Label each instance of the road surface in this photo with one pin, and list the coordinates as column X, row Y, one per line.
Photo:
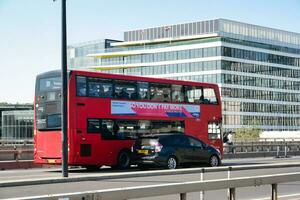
column 288, row 189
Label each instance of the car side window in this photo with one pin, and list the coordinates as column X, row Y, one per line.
column 165, row 141
column 195, row 143
column 183, row 141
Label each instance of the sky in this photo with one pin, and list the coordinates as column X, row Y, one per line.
column 30, row 29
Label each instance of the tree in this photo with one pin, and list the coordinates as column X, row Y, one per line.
column 248, row 133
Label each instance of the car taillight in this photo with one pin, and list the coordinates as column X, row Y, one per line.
column 158, row 148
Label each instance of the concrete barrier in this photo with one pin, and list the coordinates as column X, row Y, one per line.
column 24, row 164
column 16, row 154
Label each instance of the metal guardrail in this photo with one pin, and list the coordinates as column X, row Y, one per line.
column 180, row 188
column 27, row 142
column 22, row 149
column 237, row 147
column 122, row 175
column 278, row 150
column 247, row 147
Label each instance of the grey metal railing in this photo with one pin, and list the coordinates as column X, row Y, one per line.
column 180, row 188
column 27, row 142
column 252, row 147
column 23, row 149
column 16, row 151
column 122, row 175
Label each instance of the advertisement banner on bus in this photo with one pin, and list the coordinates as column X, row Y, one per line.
column 154, row 109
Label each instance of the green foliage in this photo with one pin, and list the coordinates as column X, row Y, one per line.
column 247, row 134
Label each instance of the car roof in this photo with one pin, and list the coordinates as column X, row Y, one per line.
column 160, row 135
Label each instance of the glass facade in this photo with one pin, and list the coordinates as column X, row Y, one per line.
column 257, row 68
column 17, row 124
column 224, row 27
column 162, row 56
column 11, row 107
column 77, row 54
column 178, row 30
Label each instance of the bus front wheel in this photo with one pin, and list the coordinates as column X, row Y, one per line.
column 124, row 160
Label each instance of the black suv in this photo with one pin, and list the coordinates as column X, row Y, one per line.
column 172, row 150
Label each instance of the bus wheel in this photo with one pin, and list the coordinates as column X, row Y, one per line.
column 124, row 160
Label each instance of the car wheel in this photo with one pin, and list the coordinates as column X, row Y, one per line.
column 124, row 160
column 214, row 161
column 172, row 163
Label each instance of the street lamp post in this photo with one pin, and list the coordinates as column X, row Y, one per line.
column 64, row 89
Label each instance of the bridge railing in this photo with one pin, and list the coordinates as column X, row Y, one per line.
column 23, row 149
column 11, row 142
column 269, row 148
column 181, row 189
column 239, row 146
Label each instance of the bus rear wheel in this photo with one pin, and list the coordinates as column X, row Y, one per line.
column 124, row 160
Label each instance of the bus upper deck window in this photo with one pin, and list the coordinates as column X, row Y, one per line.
column 209, row 96
column 160, row 92
column 81, row 86
column 143, row 90
column 125, row 90
column 100, row 88
column 177, row 93
column 193, row 94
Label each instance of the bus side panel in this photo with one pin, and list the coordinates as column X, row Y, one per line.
column 199, row 127
column 102, row 152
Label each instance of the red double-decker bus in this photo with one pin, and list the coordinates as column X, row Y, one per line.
column 107, row 112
